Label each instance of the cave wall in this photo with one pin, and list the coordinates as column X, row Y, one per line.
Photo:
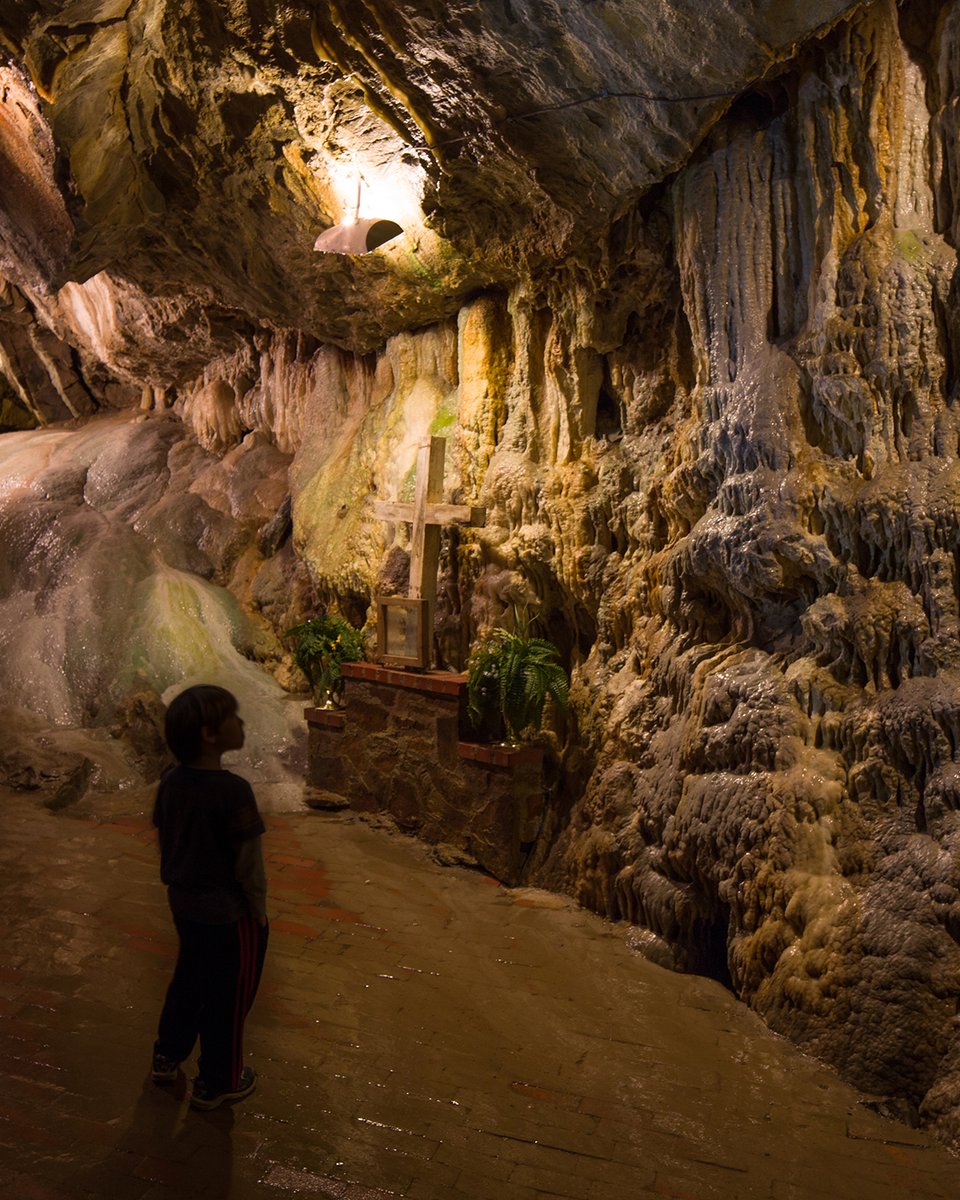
column 715, row 427
column 774, row 787
column 721, row 456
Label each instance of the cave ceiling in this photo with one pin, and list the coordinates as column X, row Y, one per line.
column 195, row 151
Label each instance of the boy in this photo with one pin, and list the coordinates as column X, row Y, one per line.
column 211, row 861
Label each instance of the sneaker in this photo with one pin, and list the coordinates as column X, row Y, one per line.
column 203, row 1098
column 165, row 1070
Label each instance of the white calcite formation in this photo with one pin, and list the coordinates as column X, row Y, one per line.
column 126, row 549
column 679, row 283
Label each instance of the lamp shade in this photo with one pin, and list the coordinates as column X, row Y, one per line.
column 361, row 237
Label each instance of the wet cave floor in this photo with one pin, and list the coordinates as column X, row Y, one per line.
column 420, row 1032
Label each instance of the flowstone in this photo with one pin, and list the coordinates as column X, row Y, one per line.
column 120, row 537
column 775, row 795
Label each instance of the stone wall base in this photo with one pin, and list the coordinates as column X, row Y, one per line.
column 398, row 747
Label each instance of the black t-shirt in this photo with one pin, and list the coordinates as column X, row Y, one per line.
column 201, row 817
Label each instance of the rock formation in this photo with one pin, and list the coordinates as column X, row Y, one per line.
column 679, row 282
column 127, row 547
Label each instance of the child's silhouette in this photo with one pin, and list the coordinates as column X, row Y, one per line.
column 212, row 863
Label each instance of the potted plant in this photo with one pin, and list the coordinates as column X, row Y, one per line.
column 509, row 677
column 321, row 644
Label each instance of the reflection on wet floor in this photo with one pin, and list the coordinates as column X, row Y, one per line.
column 421, row 1032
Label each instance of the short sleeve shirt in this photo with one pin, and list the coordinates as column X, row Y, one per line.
column 201, row 817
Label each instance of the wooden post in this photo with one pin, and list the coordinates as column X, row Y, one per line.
column 426, row 515
column 425, row 529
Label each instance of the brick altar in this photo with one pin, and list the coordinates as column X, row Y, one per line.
column 400, row 746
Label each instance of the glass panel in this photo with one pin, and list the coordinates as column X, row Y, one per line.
column 401, row 630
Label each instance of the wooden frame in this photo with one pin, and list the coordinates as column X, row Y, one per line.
column 405, row 632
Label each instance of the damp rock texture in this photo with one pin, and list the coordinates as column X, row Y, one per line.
column 773, row 690
column 132, row 569
column 678, row 282
column 197, row 150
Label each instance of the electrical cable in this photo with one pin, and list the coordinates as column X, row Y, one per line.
column 603, row 94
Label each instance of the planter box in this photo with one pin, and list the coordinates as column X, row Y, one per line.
column 397, row 748
column 510, row 758
column 324, row 718
column 324, row 727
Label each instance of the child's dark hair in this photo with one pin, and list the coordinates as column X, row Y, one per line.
column 203, row 705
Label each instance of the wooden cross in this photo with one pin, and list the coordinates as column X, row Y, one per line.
column 426, row 514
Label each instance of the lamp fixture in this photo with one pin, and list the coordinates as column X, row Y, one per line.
column 357, row 237
column 356, row 234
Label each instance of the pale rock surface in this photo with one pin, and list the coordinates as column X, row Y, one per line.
column 119, row 540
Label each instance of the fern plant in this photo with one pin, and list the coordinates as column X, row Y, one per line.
column 509, row 677
column 321, row 644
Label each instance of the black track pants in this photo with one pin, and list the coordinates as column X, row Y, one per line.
column 213, row 986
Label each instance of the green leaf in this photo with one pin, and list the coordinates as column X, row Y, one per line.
column 509, row 676
column 321, row 644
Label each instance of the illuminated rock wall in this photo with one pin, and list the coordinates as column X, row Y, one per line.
column 774, row 688
column 723, row 460
column 126, row 550
column 705, row 381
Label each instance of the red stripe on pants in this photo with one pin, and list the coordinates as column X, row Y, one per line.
column 247, row 934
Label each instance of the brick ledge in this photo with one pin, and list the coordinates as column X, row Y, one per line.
column 438, row 683
column 325, row 718
column 500, row 756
